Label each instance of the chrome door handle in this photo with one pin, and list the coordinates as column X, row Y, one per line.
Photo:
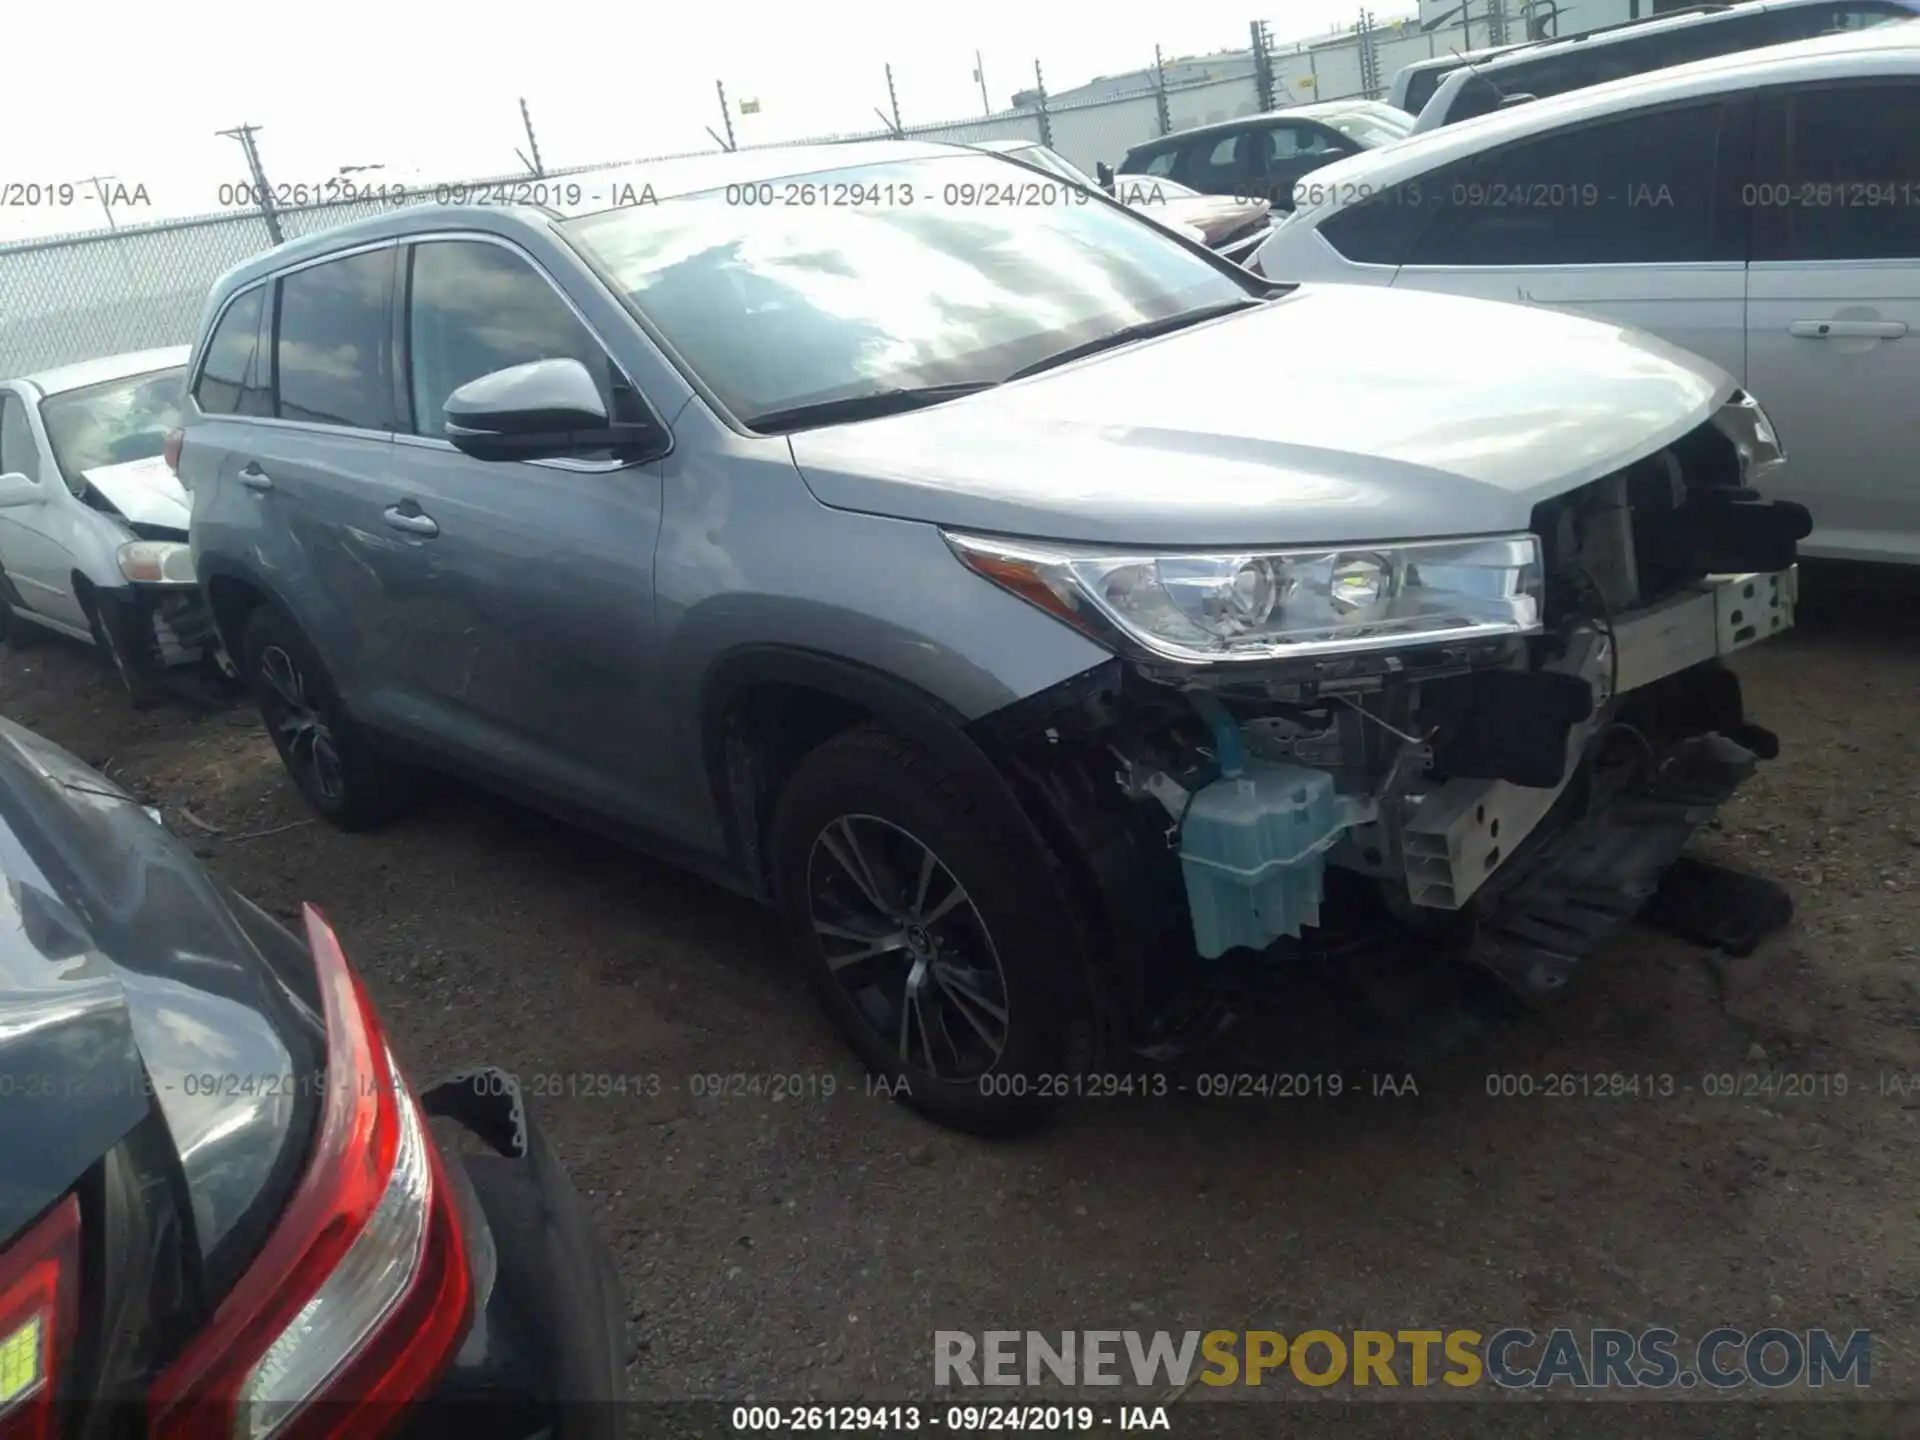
column 1847, row 329
column 411, row 521
column 254, row 478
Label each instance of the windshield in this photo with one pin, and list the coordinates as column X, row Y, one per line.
column 1377, row 125
column 897, row 276
column 112, row 422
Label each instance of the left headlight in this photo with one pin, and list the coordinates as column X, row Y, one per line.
column 1754, row 439
column 1202, row 607
column 157, row 562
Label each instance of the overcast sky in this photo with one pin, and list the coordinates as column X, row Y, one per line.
column 431, row 91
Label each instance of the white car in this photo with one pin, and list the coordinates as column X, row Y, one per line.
column 93, row 524
column 1762, row 210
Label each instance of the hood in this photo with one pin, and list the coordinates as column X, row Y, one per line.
column 144, row 491
column 1218, row 218
column 1334, row 413
column 125, row 979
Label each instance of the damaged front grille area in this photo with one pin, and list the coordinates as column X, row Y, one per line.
column 1528, row 792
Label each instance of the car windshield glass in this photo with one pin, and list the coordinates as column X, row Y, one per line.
column 112, row 422
column 899, row 277
column 1374, row 127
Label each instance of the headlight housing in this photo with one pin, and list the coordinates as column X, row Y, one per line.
column 157, row 562
column 1202, row 607
column 1754, row 439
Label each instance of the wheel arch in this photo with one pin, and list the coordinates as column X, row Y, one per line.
column 764, row 707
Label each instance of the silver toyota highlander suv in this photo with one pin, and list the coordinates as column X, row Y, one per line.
column 1044, row 614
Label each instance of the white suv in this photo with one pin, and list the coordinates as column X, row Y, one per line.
column 1762, row 210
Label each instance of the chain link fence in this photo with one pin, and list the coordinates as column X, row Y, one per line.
column 80, row 296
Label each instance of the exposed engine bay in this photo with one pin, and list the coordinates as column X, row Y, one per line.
column 1510, row 800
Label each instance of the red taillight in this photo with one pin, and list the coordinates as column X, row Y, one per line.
column 39, row 1281
column 172, row 450
column 361, row 1295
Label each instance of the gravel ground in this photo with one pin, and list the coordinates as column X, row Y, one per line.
column 809, row 1245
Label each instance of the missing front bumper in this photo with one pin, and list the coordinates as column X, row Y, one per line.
column 1463, row 832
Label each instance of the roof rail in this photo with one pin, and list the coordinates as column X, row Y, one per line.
column 1712, row 9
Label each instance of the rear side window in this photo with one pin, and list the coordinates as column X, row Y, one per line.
column 18, row 454
column 476, row 308
column 1636, row 190
column 1420, row 87
column 233, row 378
column 1838, row 176
column 334, row 340
column 1382, row 229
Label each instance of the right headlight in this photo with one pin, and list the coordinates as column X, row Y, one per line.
column 157, row 562
column 1754, row 439
column 1201, row 607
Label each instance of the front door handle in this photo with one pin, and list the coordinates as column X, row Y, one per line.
column 1848, row 329
column 411, row 521
column 254, row 478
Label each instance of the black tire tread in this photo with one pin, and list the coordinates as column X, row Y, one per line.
column 378, row 791
column 868, row 752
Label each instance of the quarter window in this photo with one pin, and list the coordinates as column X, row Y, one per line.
column 18, row 453
column 334, row 341
column 233, row 379
column 1638, row 190
column 1840, row 175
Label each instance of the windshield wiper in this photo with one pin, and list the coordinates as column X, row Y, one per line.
column 870, row 406
column 1127, row 334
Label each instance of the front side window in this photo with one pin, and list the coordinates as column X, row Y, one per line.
column 233, row 379
column 1212, row 166
column 475, row 308
column 1838, row 176
column 1631, row 191
column 777, row 307
column 1160, row 162
column 112, row 423
column 18, row 454
column 333, row 342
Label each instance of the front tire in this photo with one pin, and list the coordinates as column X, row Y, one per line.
column 338, row 770
column 912, row 906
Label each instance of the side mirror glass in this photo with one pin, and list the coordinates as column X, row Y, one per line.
column 17, row 490
column 542, row 410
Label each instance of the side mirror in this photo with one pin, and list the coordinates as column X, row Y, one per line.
column 17, row 490
column 1103, row 172
column 1507, row 102
column 543, row 410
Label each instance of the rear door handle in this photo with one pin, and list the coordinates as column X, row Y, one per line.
column 254, row 478
column 1848, row 329
column 411, row 521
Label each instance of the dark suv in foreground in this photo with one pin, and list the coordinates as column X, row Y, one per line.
column 220, row 1202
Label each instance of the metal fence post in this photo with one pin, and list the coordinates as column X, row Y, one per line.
column 1496, row 22
column 1161, row 114
column 1046, row 120
column 726, row 116
column 1262, row 64
column 1369, row 56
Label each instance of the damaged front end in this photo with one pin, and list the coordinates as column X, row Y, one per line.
column 1500, row 744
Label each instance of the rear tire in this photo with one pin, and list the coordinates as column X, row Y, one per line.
column 913, row 909
column 343, row 777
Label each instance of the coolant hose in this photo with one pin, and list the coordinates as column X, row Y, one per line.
column 1229, row 751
